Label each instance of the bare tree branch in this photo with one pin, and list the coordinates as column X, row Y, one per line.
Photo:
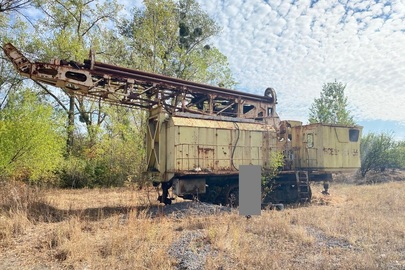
column 5, row 98
column 94, row 22
column 53, row 95
column 47, row 13
column 13, row 5
column 68, row 10
column 88, row 2
column 26, row 17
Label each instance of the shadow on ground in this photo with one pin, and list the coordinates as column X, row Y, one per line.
column 44, row 212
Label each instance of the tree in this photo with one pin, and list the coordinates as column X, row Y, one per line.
column 117, row 158
column 123, row 150
column 171, row 38
column 331, row 107
column 30, row 145
column 397, row 155
column 8, row 78
column 8, row 81
column 378, row 152
column 66, row 31
column 401, row 151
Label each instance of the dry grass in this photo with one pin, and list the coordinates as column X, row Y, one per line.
column 357, row 227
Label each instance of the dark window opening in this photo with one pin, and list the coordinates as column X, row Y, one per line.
column 354, row 135
column 269, row 111
column 76, row 76
column 48, row 71
column 247, row 108
column 200, row 101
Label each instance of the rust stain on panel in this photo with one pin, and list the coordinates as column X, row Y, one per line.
column 331, row 151
column 205, row 150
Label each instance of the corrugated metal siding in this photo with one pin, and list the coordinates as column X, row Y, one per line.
column 213, row 146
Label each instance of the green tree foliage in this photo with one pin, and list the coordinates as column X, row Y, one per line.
column 276, row 161
column 171, row 38
column 400, row 153
column 331, row 107
column 8, row 77
column 67, row 30
column 118, row 157
column 123, row 148
column 69, row 27
column 379, row 152
column 30, row 145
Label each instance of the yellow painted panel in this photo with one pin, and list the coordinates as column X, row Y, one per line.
column 208, row 145
column 192, row 122
column 326, row 147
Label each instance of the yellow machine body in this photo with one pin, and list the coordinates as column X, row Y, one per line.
column 327, row 148
column 179, row 146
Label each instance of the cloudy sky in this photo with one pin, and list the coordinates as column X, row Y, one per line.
column 297, row 46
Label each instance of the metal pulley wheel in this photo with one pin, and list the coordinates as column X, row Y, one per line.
column 270, row 92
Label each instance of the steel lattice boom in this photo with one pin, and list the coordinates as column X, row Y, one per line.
column 146, row 90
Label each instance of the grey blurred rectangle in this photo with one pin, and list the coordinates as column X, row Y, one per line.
column 250, row 189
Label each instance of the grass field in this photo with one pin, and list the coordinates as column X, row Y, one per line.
column 356, row 227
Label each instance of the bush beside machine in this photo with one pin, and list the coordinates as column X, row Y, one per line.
column 198, row 134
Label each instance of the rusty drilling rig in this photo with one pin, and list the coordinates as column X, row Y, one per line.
column 198, row 135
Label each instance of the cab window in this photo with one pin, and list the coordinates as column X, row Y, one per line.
column 310, row 140
column 354, row 135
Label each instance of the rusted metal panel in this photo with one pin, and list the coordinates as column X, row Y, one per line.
column 206, row 146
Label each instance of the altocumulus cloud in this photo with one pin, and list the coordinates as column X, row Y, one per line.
column 297, row 46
